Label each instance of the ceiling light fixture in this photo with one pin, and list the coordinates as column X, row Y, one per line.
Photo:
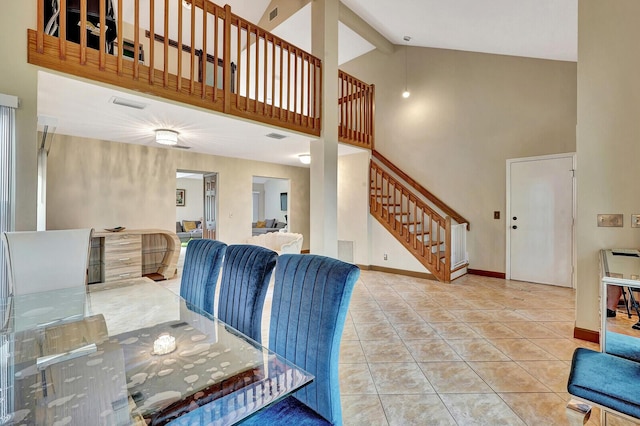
column 186, row 4
column 406, row 92
column 167, row 137
column 305, row 158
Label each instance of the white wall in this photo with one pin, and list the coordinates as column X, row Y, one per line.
column 259, row 188
column 193, row 208
column 272, row 190
column 353, row 204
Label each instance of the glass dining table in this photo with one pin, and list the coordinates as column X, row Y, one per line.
column 131, row 352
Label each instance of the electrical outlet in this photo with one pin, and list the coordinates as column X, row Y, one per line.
column 496, row 215
column 385, row 256
column 635, row 220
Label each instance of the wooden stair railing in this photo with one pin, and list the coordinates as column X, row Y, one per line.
column 418, row 227
column 421, row 189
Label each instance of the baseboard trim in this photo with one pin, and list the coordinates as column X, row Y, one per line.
column 490, row 274
column 588, row 335
column 414, row 274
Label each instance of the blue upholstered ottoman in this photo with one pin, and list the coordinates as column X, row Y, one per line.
column 606, row 380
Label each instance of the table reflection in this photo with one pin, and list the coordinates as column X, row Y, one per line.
column 102, row 366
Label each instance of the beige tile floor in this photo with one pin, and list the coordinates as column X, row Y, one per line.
column 478, row 351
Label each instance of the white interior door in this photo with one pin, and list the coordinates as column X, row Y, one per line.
column 540, row 234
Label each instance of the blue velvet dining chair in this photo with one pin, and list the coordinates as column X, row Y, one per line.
column 246, row 271
column 200, row 272
column 310, row 301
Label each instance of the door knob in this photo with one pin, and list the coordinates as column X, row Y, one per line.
column 514, row 227
column 515, row 218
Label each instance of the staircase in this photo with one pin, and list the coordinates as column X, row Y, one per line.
column 433, row 232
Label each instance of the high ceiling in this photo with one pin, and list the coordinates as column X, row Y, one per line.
column 533, row 28
column 546, row 29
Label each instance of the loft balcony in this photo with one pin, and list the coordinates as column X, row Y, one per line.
column 203, row 55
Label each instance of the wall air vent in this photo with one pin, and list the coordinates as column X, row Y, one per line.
column 127, row 102
column 273, row 14
column 275, row 136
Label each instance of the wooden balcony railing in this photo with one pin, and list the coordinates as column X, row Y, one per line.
column 204, row 56
column 356, row 104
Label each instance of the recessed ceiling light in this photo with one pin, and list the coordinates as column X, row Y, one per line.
column 117, row 100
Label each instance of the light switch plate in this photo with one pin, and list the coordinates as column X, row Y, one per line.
column 635, row 220
column 610, row 220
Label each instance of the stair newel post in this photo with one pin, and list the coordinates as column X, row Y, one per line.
column 447, row 250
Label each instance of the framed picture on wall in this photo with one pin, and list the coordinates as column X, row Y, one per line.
column 283, row 201
column 180, row 197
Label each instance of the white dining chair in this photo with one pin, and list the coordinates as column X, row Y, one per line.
column 46, row 260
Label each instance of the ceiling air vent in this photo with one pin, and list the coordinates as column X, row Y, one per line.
column 127, row 102
column 273, row 14
column 275, row 136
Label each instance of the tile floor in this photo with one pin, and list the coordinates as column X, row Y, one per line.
column 478, row 351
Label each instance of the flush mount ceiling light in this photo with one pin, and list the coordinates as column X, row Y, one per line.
column 167, row 137
column 305, row 158
column 186, row 4
column 406, row 92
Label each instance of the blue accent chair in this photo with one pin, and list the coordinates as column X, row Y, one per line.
column 200, row 272
column 310, row 302
column 246, row 271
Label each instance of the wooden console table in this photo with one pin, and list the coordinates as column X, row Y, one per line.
column 133, row 253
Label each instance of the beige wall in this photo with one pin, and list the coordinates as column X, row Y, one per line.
column 18, row 78
column 608, row 141
column 100, row 184
column 468, row 113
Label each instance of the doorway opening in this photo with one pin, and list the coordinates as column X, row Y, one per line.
column 196, row 205
column 270, row 205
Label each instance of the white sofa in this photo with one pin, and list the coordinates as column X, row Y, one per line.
column 280, row 242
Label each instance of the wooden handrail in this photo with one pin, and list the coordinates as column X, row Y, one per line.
column 421, row 189
column 418, row 227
